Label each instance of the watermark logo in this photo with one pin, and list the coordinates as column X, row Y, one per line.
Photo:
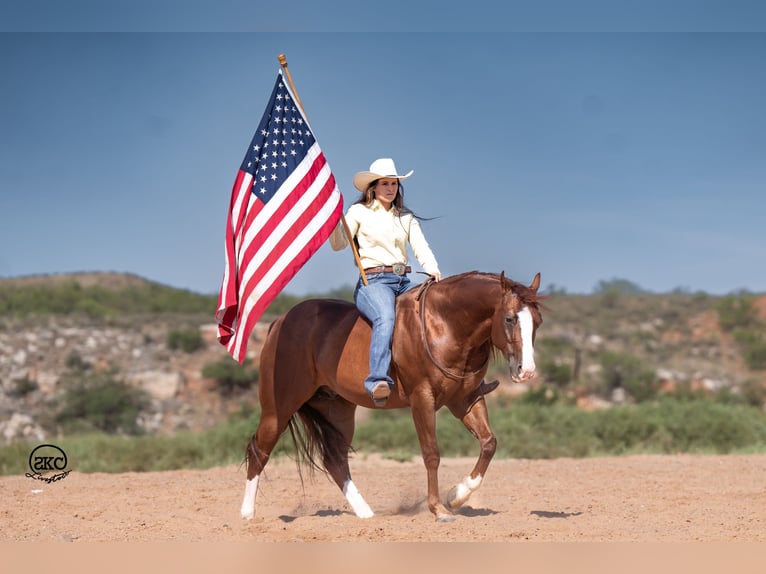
column 48, row 463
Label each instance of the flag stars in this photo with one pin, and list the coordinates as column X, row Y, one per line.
column 281, row 141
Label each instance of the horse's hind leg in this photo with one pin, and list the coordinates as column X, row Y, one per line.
column 475, row 420
column 339, row 413
column 277, row 407
column 257, row 455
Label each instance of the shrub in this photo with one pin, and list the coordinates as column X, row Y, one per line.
column 735, row 311
column 628, row 372
column 554, row 363
column 99, row 402
column 753, row 344
column 753, row 392
column 230, row 375
column 188, row 340
column 22, row 387
column 75, row 362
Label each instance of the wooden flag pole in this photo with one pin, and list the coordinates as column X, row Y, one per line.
column 283, row 62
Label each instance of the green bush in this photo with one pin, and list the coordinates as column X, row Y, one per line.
column 99, row 402
column 556, row 361
column 230, row 376
column 667, row 426
column 753, row 344
column 628, row 372
column 75, row 362
column 735, row 311
column 187, row 340
column 22, row 387
column 753, row 392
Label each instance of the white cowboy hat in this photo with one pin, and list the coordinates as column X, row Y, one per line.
column 383, row 167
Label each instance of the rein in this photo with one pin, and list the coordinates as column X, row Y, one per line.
column 421, row 296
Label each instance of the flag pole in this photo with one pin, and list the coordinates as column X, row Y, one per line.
column 283, row 62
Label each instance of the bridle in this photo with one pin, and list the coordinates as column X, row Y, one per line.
column 421, row 297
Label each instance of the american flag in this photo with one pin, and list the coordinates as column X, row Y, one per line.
column 284, row 205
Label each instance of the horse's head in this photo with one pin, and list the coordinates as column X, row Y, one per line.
column 514, row 325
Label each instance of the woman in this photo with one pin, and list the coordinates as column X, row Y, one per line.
column 381, row 227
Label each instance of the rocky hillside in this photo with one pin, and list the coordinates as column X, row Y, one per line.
column 596, row 350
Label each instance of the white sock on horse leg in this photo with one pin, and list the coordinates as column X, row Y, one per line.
column 248, row 502
column 462, row 492
column 361, row 508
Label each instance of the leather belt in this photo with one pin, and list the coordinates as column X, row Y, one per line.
column 398, row 269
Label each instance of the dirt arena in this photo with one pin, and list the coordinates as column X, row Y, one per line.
column 627, row 499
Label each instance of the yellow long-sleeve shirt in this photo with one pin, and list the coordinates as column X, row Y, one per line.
column 383, row 236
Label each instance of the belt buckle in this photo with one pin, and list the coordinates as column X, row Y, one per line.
column 398, row 268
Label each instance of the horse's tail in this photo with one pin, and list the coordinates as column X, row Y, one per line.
column 316, row 439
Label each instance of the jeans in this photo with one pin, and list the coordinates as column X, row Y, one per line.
column 376, row 301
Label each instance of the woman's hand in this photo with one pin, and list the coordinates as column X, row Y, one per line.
column 437, row 277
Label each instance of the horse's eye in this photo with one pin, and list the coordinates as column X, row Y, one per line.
column 511, row 320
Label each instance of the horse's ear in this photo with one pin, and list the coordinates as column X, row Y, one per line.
column 503, row 282
column 535, row 285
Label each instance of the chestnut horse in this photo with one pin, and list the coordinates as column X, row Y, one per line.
column 315, row 359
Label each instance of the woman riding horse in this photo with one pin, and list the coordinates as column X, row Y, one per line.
column 382, row 226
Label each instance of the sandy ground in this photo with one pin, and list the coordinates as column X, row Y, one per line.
column 627, row 499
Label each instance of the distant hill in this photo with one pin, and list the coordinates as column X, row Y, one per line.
column 105, row 279
column 96, row 294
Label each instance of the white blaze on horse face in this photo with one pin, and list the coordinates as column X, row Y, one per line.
column 527, row 347
column 248, row 502
column 361, row 508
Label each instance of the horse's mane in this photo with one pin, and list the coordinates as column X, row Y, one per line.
column 526, row 294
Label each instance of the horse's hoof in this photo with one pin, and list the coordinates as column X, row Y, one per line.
column 445, row 517
column 452, row 497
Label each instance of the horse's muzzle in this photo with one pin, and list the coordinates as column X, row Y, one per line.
column 520, row 374
column 521, row 377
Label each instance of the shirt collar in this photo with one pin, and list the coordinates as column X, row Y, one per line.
column 377, row 206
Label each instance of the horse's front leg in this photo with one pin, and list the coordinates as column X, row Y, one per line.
column 424, row 416
column 475, row 420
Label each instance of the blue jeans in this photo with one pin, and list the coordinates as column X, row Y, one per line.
column 376, row 301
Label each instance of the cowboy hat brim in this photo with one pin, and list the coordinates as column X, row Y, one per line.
column 363, row 179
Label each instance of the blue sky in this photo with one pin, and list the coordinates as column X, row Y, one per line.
column 587, row 153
